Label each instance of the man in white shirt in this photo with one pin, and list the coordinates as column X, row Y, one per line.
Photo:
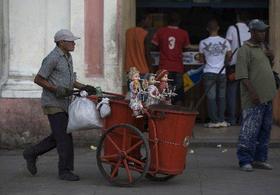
column 213, row 51
column 233, row 85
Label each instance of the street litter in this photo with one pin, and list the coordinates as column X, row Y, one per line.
column 92, row 147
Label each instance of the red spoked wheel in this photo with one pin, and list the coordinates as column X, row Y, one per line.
column 123, row 155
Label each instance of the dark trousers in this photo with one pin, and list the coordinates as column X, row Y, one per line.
column 178, row 83
column 60, row 140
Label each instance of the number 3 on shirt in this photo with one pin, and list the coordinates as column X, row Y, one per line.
column 172, row 41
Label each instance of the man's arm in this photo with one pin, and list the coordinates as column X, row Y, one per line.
column 253, row 94
column 78, row 85
column 41, row 81
column 202, row 58
column 228, row 57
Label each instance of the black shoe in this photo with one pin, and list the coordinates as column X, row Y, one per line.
column 262, row 165
column 31, row 159
column 69, row 176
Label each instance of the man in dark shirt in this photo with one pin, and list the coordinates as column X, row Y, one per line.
column 57, row 79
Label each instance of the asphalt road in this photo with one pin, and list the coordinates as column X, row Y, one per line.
column 209, row 171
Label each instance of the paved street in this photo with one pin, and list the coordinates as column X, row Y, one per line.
column 210, row 171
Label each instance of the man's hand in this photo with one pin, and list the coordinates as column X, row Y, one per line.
column 89, row 89
column 63, row 92
column 255, row 99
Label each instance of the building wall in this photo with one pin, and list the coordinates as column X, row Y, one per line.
column 26, row 37
column 274, row 15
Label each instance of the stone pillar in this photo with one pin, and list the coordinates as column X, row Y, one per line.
column 3, row 41
column 30, row 27
column 274, row 37
column 128, row 21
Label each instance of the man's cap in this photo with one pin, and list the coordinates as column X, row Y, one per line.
column 64, row 35
column 258, row 25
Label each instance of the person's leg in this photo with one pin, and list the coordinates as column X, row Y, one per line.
column 221, row 89
column 210, row 90
column 231, row 96
column 264, row 135
column 64, row 142
column 251, row 123
column 178, row 83
column 31, row 153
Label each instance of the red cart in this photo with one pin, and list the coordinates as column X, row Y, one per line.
column 154, row 146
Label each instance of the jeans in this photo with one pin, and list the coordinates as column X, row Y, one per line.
column 60, row 140
column 255, row 134
column 232, row 93
column 215, row 87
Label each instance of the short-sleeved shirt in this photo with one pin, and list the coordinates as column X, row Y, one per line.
column 214, row 49
column 171, row 41
column 233, row 38
column 135, row 50
column 253, row 64
column 57, row 69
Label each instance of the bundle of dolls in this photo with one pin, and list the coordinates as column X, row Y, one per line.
column 154, row 88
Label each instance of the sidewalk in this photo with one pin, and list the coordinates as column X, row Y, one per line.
column 211, row 137
column 209, row 171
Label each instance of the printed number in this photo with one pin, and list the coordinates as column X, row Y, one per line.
column 172, row 41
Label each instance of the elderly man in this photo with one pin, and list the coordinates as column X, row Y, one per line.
column 257, row 88
column 57, row 79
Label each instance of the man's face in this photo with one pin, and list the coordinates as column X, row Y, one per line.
column 259, row 36
column 67, row 45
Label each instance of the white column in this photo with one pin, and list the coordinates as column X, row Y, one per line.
column 31, row 26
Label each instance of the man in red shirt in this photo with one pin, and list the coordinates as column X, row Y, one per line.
column 171, row 41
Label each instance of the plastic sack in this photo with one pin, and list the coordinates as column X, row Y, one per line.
column 104, row 107
column 83, row 115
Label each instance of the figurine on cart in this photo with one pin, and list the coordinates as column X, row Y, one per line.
column 163, row 87
column 152, row 90
column 135, row 91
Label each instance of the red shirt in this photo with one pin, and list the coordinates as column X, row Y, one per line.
column 171, row 40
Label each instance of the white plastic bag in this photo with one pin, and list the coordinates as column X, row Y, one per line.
column 104, row 107
column 83, row 115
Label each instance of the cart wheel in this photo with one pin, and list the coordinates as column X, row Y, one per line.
column 123, row 155
column 159, row 177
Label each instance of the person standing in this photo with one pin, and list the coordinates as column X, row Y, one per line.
column 136, row 52
column 236, row 35
column 257, row 88
column 214, row 51
column 57, row 79
column 171, row 41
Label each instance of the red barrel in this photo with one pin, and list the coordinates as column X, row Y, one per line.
column 170, row 129
column 121, row 113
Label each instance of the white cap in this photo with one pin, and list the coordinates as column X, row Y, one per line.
column 64, row 35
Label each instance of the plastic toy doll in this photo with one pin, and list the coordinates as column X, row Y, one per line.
column 152, row 90
column 165, row 92
column 135, row 91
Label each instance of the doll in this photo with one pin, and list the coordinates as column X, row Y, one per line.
column 163, row 87
column 135, row 91
column 152, row 90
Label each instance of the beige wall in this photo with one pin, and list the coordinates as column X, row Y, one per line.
column 274, row 16
column 128, row 21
